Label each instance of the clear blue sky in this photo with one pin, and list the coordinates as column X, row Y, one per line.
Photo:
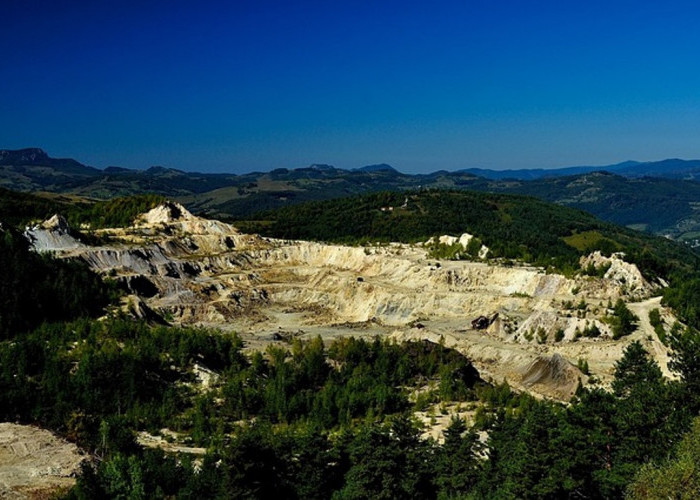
column 238, row 86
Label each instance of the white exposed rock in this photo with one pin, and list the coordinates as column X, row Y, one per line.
column 170, row 445
column 463, row 240
column 174, row 215
column 447, row 240
column 550, row 322
column 56, row 223
column 52, row 235
column 620, row 272
column 206, row 377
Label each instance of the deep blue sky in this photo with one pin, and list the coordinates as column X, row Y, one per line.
column 238, row 86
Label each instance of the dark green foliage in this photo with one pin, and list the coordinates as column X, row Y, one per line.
column 658, row 324
column 366, row 381
column 655, row 317
column 254, row 466
column 146, row 474
column 78, row 376
column 591, row 331
column 623, row 321
column 536, row 449
column 474, row 247
column 373, row 461
column 592, row 270
column 685, row 361
column 533, row 454
column 559, row 335
column 18, row 209
column 75, row 377
column 676, row 477
column 36, row 288
column 643, row 425
column 458, row 464
column 296, row 461
column 583, row 366
column 683, row 298
column 512, row 227
column 591, row 449
column 635, row 370
column 389, row 462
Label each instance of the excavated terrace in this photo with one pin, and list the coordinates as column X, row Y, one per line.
column 195, row 271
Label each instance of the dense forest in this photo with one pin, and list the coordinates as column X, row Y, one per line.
column 40, row 288
column 316, row 420
column 117, row 212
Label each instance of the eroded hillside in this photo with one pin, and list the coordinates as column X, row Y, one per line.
column 514, row 322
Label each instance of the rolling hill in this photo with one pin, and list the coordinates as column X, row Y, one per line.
column 512, row 226
column 629, row 193
column 658, row 205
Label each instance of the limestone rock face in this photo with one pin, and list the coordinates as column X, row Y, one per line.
column 463, row 240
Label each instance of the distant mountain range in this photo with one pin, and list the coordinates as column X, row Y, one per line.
column 671, row 169
column 660, row 197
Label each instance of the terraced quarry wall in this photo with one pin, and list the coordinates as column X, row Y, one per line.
column 194, row 271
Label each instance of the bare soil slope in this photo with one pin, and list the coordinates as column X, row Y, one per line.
column 34, row 463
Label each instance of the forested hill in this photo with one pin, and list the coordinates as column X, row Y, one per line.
column 657, row 205
column 629, row 197
column 513, row 227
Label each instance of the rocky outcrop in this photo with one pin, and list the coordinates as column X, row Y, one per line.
column 52, row 235
column 462, row 240
column 176, row 217
column 621, row 274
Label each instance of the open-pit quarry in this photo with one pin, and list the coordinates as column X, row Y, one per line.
column 515, row 323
